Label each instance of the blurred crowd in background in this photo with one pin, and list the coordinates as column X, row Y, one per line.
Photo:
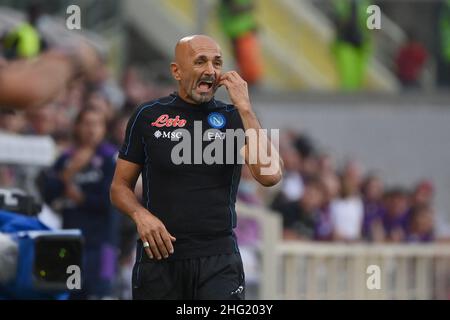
column 318, row 199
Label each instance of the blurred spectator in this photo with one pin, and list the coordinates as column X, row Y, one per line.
column 324, row 224
column 249, row 191
column 310, row 166
column 292, row 183
column 118, row 127
column 443, row 69
column 116, row 136
column 98, row 101
column 247, row 230
column 299, row 217
column 347, row 211
column 78, row 187
column 137, row 90
column 304, row 145
column 50, row 120
column 134, row 88
column 127, row 229
column 352, row 47
column 307, row 151
column 42, row 121
column 326, row 165
column 239, row 25
column 25, row 41
column 395, row 214
column 12, row 121
column 420, row 225
column 422, row 194
column 372, row 192
column 12, row 175
column 410, row 61
column 73, row 99
column 104, row 86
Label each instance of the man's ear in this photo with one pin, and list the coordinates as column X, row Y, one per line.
column 175, row 71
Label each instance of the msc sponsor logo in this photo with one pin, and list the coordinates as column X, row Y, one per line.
column 168, row 134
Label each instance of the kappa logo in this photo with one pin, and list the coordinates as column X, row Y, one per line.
column 216, row 120
column 238, row 290
column 165, row 121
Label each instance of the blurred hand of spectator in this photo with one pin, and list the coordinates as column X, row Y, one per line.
column 80, row 159
column 73, row 193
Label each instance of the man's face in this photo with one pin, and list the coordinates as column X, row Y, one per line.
column 198, row 70
column 312, row 198
column 91, row 129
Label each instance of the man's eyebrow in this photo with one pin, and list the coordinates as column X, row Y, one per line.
column 203, row 57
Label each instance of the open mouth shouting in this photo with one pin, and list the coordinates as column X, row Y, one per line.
column 206, row 85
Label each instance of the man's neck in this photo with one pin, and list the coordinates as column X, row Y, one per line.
column 183, row 96
column 187, row 99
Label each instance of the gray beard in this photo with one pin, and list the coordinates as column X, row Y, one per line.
column 199, row 98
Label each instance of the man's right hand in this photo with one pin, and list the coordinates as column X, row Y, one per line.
column 153, row 231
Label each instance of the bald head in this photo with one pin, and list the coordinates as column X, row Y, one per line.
column 197, row 68
column 190, row 44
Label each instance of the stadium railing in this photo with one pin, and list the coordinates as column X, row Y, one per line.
column 319, row 270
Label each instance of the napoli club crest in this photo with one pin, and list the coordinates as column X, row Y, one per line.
column 217, row 120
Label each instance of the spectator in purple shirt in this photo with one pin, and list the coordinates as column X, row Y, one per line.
column 423, row 193
column 372, row 193
column 420, row 226
column 247, row 229
column 395, row 215
column 324, row 224
column 78, row 187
